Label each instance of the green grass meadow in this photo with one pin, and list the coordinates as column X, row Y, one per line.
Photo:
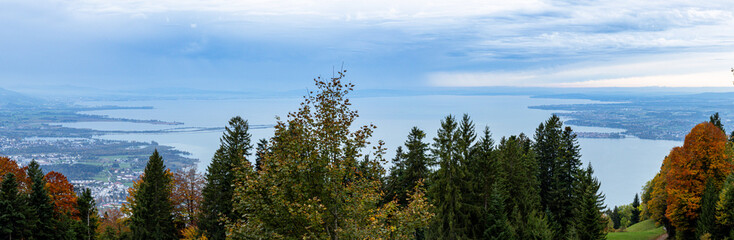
column 641, row 231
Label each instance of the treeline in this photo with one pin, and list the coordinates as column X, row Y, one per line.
column 38, row 206
column 693, row 194
column 320, row 177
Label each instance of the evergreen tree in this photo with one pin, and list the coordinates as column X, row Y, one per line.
column 217, row 200
column 536, row 227
column 43, row 223
column 152, row 212
column 483, row 169
column 395, row 184
column 635, row 218
column 517, row 169
column 706, row 222
column 616, row 218
column 87, row 214
column 471, row 204
column 498, row 227
column 416, row 159
column 260, row 151
column 13, row 210
column 590, row 224
column 725, row 208
column 483, row 175
column 547, row 145
column 445, row 190
column 558, row 156
column 716, row 121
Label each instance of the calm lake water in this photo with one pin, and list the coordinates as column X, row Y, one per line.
column 622, row 165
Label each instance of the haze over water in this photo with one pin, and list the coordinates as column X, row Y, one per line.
column 622, row 165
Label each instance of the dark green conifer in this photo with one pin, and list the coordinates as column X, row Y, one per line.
column 547, row 145
column 152, row 212
column 416, row 158
column 716, row 121
column 88, row 217
column 450, row 221
column 13, row 210
column 483, row 174
column 395, row 181
column 498, row 226
column 43, row 223
column 590, row 224
column 706, row 222
column 260, row 151
column 725, row 208
column 216, row 205
column 558, row 155
column 616, row 218
column 635, row 218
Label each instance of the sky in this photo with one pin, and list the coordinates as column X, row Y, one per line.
column 266, row 45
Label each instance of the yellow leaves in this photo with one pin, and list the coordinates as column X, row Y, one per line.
column 678, row 188
column 314, row 183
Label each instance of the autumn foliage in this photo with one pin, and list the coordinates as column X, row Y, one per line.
column 8, row 165
column 679, row 186
column 62, row 194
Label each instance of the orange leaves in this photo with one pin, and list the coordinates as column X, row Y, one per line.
column 186, row 195
column 682, row 177
column 62, row 194
column 10, row 166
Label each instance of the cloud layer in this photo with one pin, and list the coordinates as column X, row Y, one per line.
column 388, row 44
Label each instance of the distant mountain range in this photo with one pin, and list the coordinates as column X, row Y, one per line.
column 10, row 99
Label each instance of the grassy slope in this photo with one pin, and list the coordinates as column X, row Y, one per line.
column 641, row 231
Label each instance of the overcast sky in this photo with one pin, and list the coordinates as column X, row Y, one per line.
column 393, row 44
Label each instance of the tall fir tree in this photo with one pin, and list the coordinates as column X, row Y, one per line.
column 517, row 174
column 395, row 184
column 445, row 190
column 635, row 217
column 547, row 145
column 260, row 151
column 416, row 159
column 87, row 215
column 13, row 210
column 466, row 152
column 725, row 209
column 220, row 177
column 590, row 224
column 483, row 175
column 559, row 161
column 616, row 218
column 706, row 222
column 43, row 223
column 498, row 226
column 152, row 212
column 409, row 168
column 716, row 121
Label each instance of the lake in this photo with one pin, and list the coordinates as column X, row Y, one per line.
column 622, row 165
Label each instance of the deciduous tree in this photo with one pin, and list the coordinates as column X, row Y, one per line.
column 186, row 195
column 314, row 182
column 62, row 194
